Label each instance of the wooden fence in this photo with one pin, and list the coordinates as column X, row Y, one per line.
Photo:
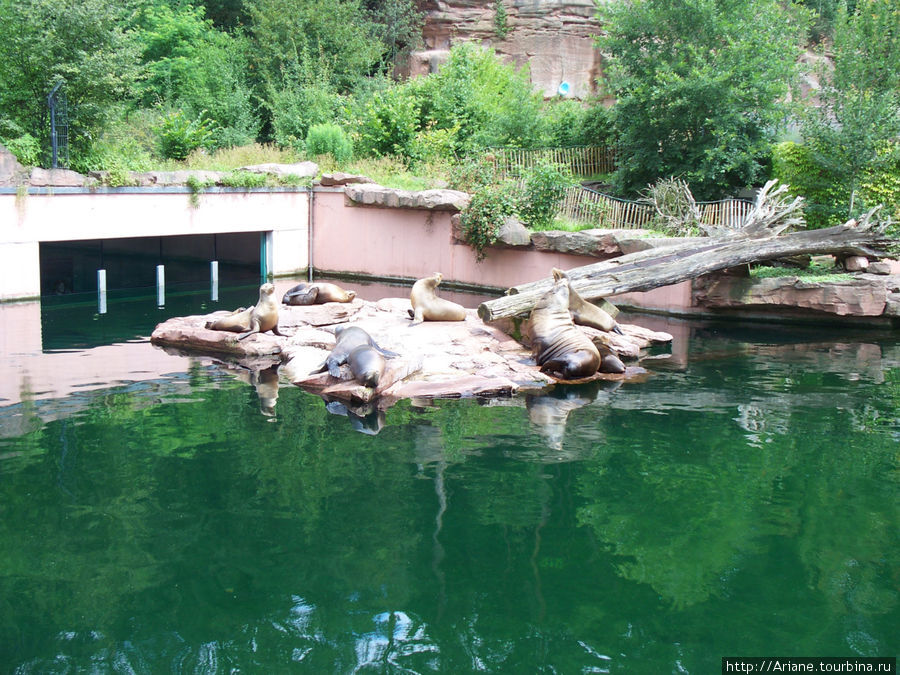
column 586, row 161
column 587, row 206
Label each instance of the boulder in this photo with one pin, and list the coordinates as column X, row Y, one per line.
column 513, row 233
column 380, row 196
column 56, row 178
column 172, row 178
column 339, row 178
column 300, row 169
column 863, row 296
column 11, row 172
column 856, row 263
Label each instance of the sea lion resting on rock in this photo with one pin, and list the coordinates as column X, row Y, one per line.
column 427, row 306
column 356, row 348
column 257, row 319
column 559, row 348
column 316, row 293
column 585, row 313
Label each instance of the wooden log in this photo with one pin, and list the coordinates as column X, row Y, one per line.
column 647, row 270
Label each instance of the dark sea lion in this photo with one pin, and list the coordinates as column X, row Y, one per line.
column 257, row 319
column 560, row 349
column 355, row 347
column 316, row 293
column 427, row 306
column 585, row 313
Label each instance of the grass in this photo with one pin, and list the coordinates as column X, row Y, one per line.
column 815, row 272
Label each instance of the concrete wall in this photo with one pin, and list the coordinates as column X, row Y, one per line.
column 371, row 241
column 410, row 244
column 71, row 214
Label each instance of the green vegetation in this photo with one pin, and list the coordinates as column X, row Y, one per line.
column 692, row 90
column 817, row 271
column 699, row 88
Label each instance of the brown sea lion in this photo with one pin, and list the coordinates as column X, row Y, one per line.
column 560, row 349
column 355, row 347
column 427, row 306
column 585, row 313
column 257, row 319
column 316, row 293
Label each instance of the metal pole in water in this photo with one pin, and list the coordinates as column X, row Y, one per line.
column 214, row 280
column 160, row 285
column 101, row 291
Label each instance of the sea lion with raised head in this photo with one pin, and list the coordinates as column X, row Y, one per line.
column 355, row 347
column 585, row 313
column 560, row 349
column 427, row 306
column 316, row 293
column 257, row 319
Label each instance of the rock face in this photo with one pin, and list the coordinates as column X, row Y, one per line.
column 865, row 295
column 432, row 200
column 555, row 38
column 10, row 169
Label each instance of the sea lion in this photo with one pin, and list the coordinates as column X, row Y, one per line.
column 585, row 313
column 316, row 293
column 560, row 349
column 356, row 348
column 427, row 306
column 261, row 317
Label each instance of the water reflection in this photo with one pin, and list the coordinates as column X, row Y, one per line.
column 743, row 501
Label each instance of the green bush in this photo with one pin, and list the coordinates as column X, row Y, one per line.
column 544, row 186
column 178, row 136
column 26, row 148
column 794, row 165
column 328, row 139
column 482, row 219
column 387, row 123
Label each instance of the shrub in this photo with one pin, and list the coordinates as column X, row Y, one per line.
column 482, row 219
column 793, row 164
column 387, row 123
column 178, row 136
column 328, row 139
column 26, row 148
column 544, row 186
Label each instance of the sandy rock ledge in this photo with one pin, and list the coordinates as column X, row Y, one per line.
column 435, row 359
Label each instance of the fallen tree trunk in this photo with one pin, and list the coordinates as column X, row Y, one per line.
column 758, row 241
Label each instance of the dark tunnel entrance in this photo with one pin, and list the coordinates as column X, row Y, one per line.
column 131, row 263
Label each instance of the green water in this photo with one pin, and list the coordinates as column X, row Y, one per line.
column 742, row 501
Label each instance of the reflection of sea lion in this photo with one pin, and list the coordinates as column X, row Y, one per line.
column 585, row 313
column 316, row 294
column 257, row 319
column 427, row 306
column 559, row 348
column 355, row 347
column 266, row 384
column 364, row 419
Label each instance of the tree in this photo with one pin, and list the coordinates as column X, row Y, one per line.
column 336, row 36
column 191, row 66
column 398, row 25
column 84, row 45
column 853, row 134
column 699, row 87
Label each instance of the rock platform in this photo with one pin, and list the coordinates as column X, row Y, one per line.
column 440, row 359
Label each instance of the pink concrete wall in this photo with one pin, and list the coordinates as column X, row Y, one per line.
column 414, row 243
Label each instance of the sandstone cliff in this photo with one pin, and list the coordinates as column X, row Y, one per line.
column 555, row 38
